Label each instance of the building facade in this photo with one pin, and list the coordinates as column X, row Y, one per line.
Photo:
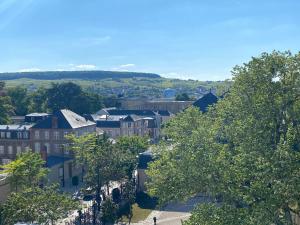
column 44, row 132
column 116, row 123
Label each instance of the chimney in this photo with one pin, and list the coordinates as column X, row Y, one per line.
column 54, row 122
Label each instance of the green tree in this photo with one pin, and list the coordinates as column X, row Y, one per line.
column 38, row 100
column 26, row 171
column 109, row 211
column 129, row 148
column 20, row 100
column 100, row 160
column 29, row 202
column 71, row 96
column 63, row 95
column 6, row 108
column 182, row 97
column 244, row 151
column 44, row 206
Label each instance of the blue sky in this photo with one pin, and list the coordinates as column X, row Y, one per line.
column 198, row 39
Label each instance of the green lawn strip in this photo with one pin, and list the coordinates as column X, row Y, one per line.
column 139, row 214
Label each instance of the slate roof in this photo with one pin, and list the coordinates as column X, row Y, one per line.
column 205, row 101
column 132, row 118
column 131, row 112
column 66, row 119
column 144, row 159
column 16, row 127
column 56, row 160
column 38, row 114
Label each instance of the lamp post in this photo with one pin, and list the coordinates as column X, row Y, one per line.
column 63, row 167
column 79, row 216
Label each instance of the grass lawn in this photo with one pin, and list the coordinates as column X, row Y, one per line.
column 142, row 208
column 139, row 214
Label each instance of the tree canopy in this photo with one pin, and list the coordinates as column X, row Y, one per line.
column 6, row 108
column 244, row 152
column 28, row 202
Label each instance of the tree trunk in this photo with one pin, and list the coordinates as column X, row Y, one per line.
column 107, row 187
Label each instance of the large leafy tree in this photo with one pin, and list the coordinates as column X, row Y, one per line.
column 26, row 171
column 20, row 100
column 71, row 96
column 28, row 202
column 129, row 148
column 104, row 161
column 100, row 160
column 44, row 206
column 244, row 152
column 6, row 108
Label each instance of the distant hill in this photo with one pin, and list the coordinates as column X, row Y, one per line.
column 83, row 75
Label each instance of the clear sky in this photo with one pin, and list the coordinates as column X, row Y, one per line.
column 199, row 39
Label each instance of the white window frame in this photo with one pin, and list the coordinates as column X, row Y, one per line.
column 56, row 135
column 19, row 149
column 47, row 135
column 10, row 150
column 37, row 147
column 36, row 134
column 1, row 149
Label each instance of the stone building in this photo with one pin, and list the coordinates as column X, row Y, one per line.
column 45, row 131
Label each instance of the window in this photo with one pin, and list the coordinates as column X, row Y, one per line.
column 25, row 135
column 47, row 146
column 36, row 134
column 6, row 161
column 10, row 150
column 8, row 135
column 1, row 150
column 129, row 124
column 56, row 147
column 37, row 147
column 47, row 135
column 18, row 149
column 19, row 135
column 2, row 134
column 56, row 135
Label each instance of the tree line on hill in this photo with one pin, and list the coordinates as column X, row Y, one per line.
column 89, row 75
column 19, row 101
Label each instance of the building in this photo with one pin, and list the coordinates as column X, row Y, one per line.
column 42, row 131
column 50, row 132
column 141, row 177
column 4, row 187
column 155, row 105
column 13, row 140
column 169, row 93
column 115, row 122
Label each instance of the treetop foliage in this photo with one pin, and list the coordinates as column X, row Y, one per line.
column 244, row 152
